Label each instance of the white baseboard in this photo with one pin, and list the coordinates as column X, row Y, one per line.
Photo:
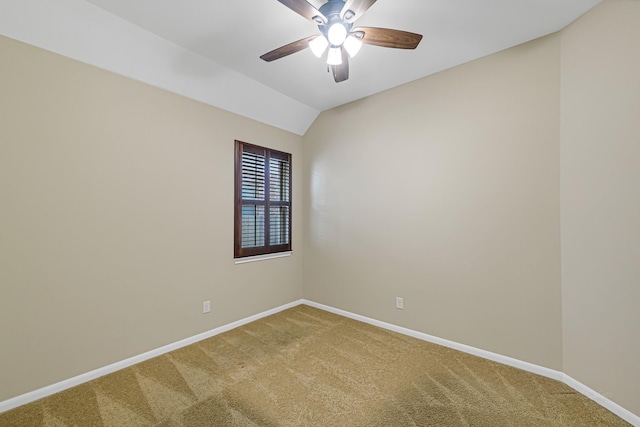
column 505, row 360
column 83, row 378
column 626, row 415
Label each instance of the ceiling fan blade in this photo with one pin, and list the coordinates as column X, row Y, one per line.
column 354, row 9
column 388, row 38
column 305, row 9
column 287, row 49
column 341, row 72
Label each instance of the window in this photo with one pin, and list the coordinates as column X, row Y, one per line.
column 262, row 201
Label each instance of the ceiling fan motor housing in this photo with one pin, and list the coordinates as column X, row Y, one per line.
column 332, row 10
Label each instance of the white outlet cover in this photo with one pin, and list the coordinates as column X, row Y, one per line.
column 206, row 306
column 400, row 303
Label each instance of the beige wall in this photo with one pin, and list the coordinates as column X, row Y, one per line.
column 116, row 219
column 445, row 192
column 601, row 201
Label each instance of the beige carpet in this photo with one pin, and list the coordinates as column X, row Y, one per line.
column 307, row 367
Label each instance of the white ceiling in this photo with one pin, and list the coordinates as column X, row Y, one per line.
column 209, row 49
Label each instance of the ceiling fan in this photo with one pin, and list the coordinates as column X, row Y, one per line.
column 335, row 21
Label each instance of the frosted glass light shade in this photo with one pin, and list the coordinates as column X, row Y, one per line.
column 336, row 34
column 318, row 45
column 335, row 56
column 352, row 45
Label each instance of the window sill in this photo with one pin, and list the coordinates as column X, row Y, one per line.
column 261, row 257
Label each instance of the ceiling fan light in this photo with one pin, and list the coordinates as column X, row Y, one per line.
column 352, row 45
column 336, row 34
column 318, row 45
column 335, row 56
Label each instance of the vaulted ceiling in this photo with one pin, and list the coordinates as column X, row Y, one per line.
column 209, row 50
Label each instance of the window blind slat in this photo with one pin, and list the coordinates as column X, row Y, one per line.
column 253, row 230
column 253, row 176
column 278, row 179
column 279, row 225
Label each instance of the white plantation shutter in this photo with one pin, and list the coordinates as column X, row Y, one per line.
column 263, row 201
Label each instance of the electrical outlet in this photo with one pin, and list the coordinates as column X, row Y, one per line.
column 400, row 303
column 206, row 306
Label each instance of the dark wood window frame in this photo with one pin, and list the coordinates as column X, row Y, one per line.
column 262, row 196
